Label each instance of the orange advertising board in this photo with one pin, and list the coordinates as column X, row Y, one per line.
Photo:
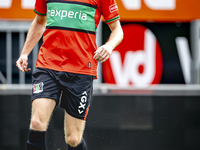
column 159, row 10
column 17, row 9
column 130, row 10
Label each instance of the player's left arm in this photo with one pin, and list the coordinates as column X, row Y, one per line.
column 116, row 36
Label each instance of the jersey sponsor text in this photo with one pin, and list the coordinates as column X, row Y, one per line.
column 64, row 13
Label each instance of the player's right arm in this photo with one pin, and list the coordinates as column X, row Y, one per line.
column 34, row 34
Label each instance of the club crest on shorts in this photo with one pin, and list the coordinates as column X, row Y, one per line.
column 38, row 88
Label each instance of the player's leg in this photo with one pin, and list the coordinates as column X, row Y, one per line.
column 74, row 129
column 45, row 95
column 42, row 109
column 76, row 99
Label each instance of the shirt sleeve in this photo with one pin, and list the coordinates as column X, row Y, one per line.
column 40, row 7
column 109, row 10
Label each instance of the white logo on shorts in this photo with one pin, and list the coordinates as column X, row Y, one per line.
column 83, row 101
column 38, row 88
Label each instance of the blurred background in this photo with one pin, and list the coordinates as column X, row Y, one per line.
column 147, row 95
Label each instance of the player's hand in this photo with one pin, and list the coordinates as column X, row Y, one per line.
column 103, row 53
column 22, row 63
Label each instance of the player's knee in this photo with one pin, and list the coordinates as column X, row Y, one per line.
column 37, row 125
column 72, row 140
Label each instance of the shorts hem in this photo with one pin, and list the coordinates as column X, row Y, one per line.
column 33, row 98
column 73, row 115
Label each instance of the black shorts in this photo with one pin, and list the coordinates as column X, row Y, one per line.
column 72, row 91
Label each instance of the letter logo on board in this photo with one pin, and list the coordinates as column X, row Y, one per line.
column 5, row 4
column 17, row 9
column 137, row 60
column 28, row 4
column 152, row 4
column 25, row 4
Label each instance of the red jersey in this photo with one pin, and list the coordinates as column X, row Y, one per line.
column 69, row 41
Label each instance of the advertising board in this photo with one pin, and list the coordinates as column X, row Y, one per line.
column 150, row 53
column 130, row 10
column 159, row 10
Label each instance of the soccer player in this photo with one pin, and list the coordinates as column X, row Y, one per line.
column 66, row 63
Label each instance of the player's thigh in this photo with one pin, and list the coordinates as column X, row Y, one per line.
column 42, row 109
column 73, row 128
column 77, row 95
